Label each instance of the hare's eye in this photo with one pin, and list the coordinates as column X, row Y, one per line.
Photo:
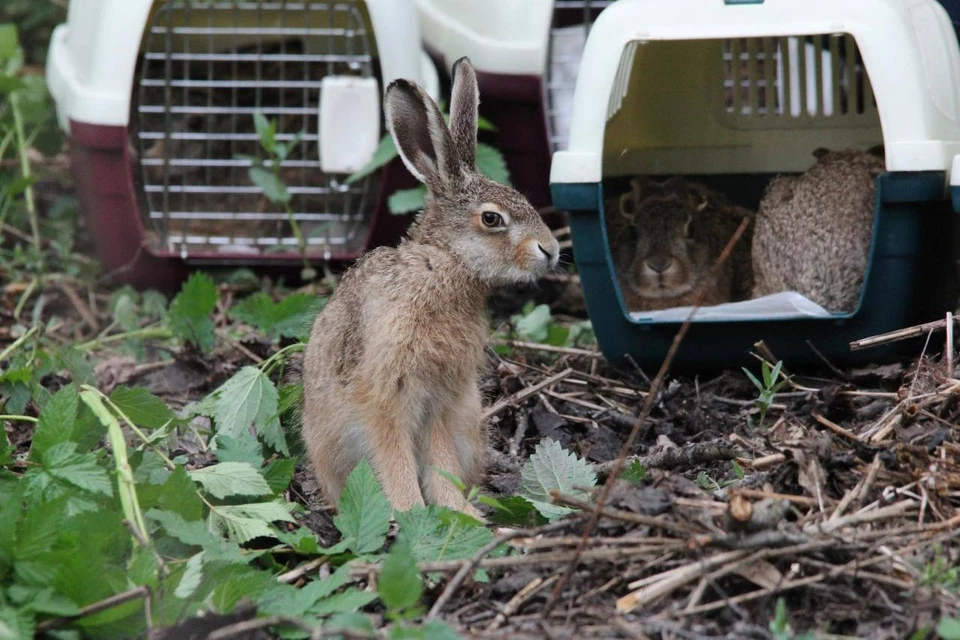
column 491, row 219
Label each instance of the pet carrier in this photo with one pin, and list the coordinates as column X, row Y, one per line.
column 159, row 99
column 527, row 55
column 731, row 93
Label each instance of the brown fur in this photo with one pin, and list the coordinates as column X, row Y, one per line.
column 814, row 230
column 391, row 368
column 666, row 237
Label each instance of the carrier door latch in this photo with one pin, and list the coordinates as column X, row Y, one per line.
column 349, row 122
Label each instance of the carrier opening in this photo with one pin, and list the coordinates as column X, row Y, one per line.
column 700, row 134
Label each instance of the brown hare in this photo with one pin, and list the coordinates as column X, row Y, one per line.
column 391, row 369
column 813, row 231
column 665, row 238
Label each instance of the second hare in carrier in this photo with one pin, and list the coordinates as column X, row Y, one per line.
column 391, row 369
column 665, row 238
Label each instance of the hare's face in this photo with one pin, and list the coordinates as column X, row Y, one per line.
column 497, row 234
column 665, row 261
column 490, row 227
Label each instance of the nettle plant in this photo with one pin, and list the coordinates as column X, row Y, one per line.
column 122, row 514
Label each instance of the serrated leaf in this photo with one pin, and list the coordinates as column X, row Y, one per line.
column 407, row 200
column 189, row 313
column 15, row 624
column 56, row 421
column 231, row 479
column 245, row 522
column 401, row 583
column 364, row 512
column 279, row 473
column 635, row 473
column 270, row 184
column 193, row 533
column 491, row 163
column 949, row 628
column 551, row 468
column 292, row 317
column 76, row 364
column 238, row 583
column 250, row 397
column 242, row 449
column 191, row 578
column 141, row 406
column 349, row 600
column 79, row 469
column 434, row 533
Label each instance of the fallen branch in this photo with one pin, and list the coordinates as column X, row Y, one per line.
column 525, row 393
column 906, row 333
column 688, row 456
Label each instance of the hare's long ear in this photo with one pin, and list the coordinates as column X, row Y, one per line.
column 421, row 135
column 464, row 102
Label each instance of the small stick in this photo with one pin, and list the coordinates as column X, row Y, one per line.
column 295, row 574
column 906, row 333
column 858, row 491
column 469, row 565
column 513, row 604
column 523, row 421
column 689, row 456
column 525, row 393
column 949, row 322
column 82, row 307
column 837, row 429
column 97, row 607
column 617, row 514
column 534, row 346
column 757, row 493
column 767, row 461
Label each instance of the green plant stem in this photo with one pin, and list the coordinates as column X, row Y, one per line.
column 301, row 241
column 26, row 171
column 158, row 332
column 17, row 343
column 273, row 361
column 19, row 419
column 22, row 302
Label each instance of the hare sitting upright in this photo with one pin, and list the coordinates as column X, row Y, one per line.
column 391, row 368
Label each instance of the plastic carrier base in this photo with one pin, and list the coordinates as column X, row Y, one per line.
column 908, row 272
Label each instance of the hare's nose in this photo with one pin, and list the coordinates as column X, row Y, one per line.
column 545, row 252
column 660, row 264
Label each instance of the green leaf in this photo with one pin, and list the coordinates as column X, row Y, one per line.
column 535, row 325
column 231, row 479
column 364, row 512
column 189, row 314
column 244, row 522
column 250, row 397
column 155, row 304
column 142, row 407
column 551, row 468
column 56, row 421
column 635, row 473
column 407, row 200
column 79, row 469
column 401, row 584
column 386, row 151
column 193, row 533
column 16, row 624
column 11, row 511
column 436, row 533
column 9, row 41
column 124, row 307
column 266, row 131
column 292, row 317
column 242, row 449
column 190, row 579
column 516, row 511
column 490, row 162
column 949, row 628
column 76, row 364
column 279, row 473
column 273, row 188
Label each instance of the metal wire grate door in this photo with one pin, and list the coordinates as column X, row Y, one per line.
column 572, row 20
column 206, row 68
